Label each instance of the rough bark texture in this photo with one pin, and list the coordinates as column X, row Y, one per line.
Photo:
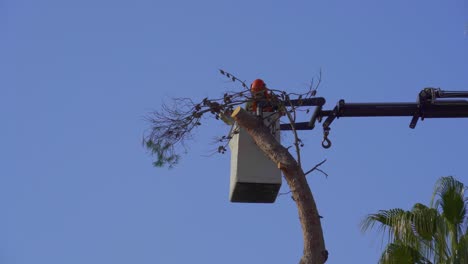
column 314, row 244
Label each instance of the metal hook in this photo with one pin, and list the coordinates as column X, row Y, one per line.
column 326, row 143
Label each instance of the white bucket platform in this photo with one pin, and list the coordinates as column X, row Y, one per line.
column 254, row 177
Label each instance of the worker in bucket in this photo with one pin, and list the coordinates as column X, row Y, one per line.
column 261, row 97
column 262, row 101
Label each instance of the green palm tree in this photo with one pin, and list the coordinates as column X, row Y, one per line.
column 426, row 235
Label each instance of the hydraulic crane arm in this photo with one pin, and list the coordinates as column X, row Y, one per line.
column 431, row 103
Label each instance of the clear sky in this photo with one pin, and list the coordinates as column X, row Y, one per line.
column 77, row 78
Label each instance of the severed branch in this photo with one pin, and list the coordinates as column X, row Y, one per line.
column 174, row 124
column 317, row 169
column 311, row 170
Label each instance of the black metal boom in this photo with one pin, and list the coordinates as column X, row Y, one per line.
column 431, row 103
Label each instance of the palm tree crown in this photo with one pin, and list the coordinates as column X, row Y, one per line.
column 427, row 235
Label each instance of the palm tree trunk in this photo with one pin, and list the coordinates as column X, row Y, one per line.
column 314, row 244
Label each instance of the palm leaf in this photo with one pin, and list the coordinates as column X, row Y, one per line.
column 399, row 253
column 396, row 223
column 424, row 234
column 450, row 200
column 461, row 255
column 424, row 225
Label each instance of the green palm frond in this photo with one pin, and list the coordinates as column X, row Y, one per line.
column 424, row 221
column 396, row 223
column 440, row 242
column 400, row 253
column 450, row 200
column 424, row 224
column 462, row 250
column 436, row 234
column 385, row 221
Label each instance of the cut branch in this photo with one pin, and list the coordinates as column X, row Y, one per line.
column 316, row 168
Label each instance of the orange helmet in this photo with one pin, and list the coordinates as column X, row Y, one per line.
column 257, row 86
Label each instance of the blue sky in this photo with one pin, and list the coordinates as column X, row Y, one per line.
column 78, row 77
